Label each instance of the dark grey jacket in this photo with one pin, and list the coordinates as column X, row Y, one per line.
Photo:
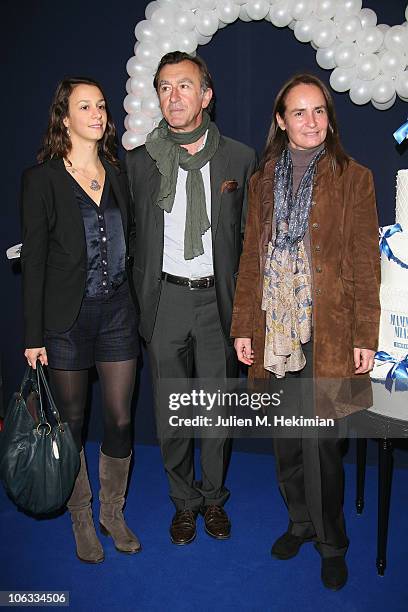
column 232, row 162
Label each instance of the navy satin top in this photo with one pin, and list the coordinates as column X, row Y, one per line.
column 105, row 241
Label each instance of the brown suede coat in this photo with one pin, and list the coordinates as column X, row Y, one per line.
column 346, row 280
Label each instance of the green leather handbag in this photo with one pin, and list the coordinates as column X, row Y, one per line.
column 39, row 462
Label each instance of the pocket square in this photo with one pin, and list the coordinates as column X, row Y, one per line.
column 228, row 186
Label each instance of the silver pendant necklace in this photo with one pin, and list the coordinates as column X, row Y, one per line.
column 94, row 185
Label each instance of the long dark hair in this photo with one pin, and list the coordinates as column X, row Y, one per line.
column 277, row 139
column 56, row 142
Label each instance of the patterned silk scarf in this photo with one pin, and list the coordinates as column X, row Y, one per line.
column 287, row 297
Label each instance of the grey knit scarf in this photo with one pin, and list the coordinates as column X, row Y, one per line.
column 164, row 147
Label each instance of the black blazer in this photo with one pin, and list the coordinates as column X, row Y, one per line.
column 233, row 161
column 53, row 256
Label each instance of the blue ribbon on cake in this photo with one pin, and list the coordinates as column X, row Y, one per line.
column 398, row 371
column 401, row 133
column 385, row 247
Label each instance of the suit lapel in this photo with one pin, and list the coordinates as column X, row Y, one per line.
column 113, row 176
column 64, row 187
column 218, row 167
column 154, row 186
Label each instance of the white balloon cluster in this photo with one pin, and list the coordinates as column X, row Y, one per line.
column 368, row 59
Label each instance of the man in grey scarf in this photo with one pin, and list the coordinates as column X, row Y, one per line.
column 189, row 188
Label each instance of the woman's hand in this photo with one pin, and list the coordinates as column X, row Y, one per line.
column 243, row 347
column 363, row 360
column 32, row 354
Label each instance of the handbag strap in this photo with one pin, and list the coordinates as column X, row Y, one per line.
column 53, row 408
column 29, row 376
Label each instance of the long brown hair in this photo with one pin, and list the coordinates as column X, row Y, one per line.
column 277, row 139
column 56, row 142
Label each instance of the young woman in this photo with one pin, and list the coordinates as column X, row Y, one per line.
column 307, row 303
column 78, row 310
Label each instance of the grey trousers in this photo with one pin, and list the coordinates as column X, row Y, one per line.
column 188, row 342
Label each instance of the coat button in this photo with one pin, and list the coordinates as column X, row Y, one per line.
column 318, row 269
column 317, row 247
column 318, row 291
column 313, row 203
column 315, row 226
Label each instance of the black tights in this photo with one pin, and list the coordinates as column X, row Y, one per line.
column 117, row 379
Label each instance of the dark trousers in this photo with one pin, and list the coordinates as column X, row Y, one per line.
column 311, row 476
column 188, row 342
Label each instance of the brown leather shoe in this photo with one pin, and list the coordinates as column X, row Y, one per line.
column 216, row 521
column 183, row 527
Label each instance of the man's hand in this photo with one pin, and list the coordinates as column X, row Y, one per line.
column 363, row 360
column 243, row 347
column 32, row 354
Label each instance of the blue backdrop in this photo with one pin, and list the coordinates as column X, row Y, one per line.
column 43, row 42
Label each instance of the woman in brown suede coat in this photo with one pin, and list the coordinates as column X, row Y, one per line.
column 307, row 303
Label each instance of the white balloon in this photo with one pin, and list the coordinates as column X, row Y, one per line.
column 131, row 140
column 150, row 106
column 257, row 9
column 346, row 55
column 383, row 27
column 128, row 89
column 227, row 11
column 131, row 104
column 367, row 17
column 206, row 22
column 139, row 123
column 304, row 29
column 370, row 39
column 201, row 39
column 348, row 29
column 325, row 9
column 300, row 9
column 187, row 42
column 392, row 63
column 141, row 85
column 243, row 15
column 167, row 44
column 184, row 21
column 345, row 8
column 134, row 67
column 326, row 57
column 383, row 89
column 384, row 105
column 401, row 84
column 163, row 19
column 145, row 30
column 150, row 8
column 342, row 78
column 148, row 54
column 396, row 39
column 368, row 67
column 189, row 5
column 324, row 33
column 208, row 4
column 280, row 14
column 360, row 91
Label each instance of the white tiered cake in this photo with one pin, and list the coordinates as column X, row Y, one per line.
column 393, row 339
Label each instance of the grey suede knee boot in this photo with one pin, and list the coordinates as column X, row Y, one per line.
column 113, row 476
column 89, row 548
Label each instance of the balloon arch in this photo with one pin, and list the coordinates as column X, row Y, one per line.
column 368, row 60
